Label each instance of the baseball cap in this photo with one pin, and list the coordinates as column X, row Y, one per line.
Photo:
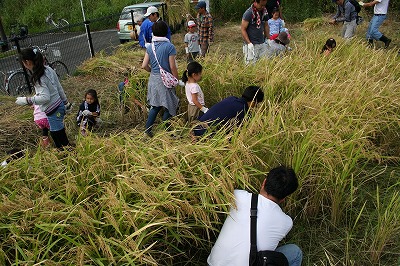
column 151, row 10
column 201, row 4
column 191, row 23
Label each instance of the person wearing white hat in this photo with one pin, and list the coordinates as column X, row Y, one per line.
column 192, row 46
column 152, row 15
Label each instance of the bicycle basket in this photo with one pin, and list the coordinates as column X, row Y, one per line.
column 53, row 54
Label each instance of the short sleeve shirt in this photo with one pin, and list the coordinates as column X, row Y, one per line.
column 256, row 35
column 381, row 7
column 233, row 244
column 163, row 50
column 191, row 88
column 275, row 26
column 192, row 39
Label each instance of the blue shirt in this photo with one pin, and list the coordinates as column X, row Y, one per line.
column 222, row 112
column 145, row 34
column 163, row 50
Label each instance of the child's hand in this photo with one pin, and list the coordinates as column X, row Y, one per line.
column 68, row 107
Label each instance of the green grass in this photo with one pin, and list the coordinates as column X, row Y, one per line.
column 121, row 199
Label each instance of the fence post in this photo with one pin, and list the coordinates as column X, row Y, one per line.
column 89, row 37
column 28, row 83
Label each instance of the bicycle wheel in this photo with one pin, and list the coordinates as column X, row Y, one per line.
column 60, row 68
column 63, row 25
column 16, row 85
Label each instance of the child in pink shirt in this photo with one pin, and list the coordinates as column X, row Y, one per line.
column 194, row 94
column 41, row 121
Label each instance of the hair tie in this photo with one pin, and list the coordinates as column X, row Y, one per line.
column 35, row 50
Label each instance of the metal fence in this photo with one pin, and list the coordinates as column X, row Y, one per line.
column 71, row 45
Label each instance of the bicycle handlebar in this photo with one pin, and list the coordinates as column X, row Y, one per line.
column 41, row 50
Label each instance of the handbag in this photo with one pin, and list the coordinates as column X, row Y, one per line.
column 169, row 80
column 263, row 257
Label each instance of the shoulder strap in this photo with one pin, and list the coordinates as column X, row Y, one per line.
column 154, row 52
column 253, row 229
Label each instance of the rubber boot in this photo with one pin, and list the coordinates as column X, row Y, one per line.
column 385, row 40
column 63, row 138
column 60, row 138
column 370, row 42
column 56, row 140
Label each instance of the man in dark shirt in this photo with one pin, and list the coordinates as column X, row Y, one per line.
column 230, row 108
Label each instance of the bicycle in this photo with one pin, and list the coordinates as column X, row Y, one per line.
column 15, row 82
column 18, row 32
column 62, row 25
column 52, row 59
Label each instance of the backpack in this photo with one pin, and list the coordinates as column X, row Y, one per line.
column 356, row 5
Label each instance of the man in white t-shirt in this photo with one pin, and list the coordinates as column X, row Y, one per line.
column 233, row 244
column 380, row 13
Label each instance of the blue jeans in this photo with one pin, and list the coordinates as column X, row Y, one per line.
column 56, row 119
column 293, row 254
column 154, row 110
column 373, row 28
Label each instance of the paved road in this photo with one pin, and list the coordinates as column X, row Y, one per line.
column 73, row 46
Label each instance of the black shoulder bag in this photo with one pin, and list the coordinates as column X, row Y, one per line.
column 264, row 257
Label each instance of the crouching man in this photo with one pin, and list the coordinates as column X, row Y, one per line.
column 233, row 244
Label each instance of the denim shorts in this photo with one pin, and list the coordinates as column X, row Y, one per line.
column 56, row 119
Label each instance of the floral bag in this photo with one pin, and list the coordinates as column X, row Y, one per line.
column 169, row 80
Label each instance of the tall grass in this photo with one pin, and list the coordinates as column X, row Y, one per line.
column 121, row 199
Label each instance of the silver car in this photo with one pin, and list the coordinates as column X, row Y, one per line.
column 125, row 23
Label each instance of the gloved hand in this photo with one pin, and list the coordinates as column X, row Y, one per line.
column 181, row 83
column 204, row 109
column 68, row 107
column 21, row 101
column 361, row 3
column 250, row 51
column 86, row 113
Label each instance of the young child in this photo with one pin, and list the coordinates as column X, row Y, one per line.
column 194, row 94
column 276, row 25
column 41, row 121
column 192, row 46
column 89, row 112
column 328, row 47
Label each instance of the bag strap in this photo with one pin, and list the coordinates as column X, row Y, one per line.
column 253, row 229
column 154, row 52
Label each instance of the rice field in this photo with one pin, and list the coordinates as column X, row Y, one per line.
column 119, row 198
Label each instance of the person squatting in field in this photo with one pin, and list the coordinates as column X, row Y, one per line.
column 254, row 29
column 89, row 112
column 233, row 243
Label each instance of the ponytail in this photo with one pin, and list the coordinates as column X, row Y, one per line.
column 192, row 67
column 185, row 76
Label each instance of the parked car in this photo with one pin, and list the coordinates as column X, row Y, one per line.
column 125, row 23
